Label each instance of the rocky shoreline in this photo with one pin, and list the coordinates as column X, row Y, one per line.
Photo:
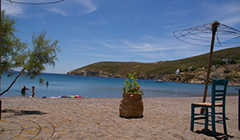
column 230, row 72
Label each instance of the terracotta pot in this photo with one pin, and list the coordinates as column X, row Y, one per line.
column 131, row 105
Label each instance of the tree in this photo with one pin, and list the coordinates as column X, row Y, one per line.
column 32, row 61
column 13, row 50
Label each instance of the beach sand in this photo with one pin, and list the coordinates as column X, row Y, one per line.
column 165, row 118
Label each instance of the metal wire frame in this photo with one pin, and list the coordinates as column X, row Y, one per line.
column 34, row 3
column 201, row 35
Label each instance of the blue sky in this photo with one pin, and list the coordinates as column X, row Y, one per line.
column 91, row 31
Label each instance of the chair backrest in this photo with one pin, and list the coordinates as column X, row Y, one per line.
column 219, row 89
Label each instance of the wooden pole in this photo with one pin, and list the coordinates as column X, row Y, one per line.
column 214, row 29
column 239, row 109
column 0, row 109
column 0, row 54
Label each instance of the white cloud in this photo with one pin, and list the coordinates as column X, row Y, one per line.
column 231, row 21
column 69, row 7
column 225, row 13
column 89, row 5
column 153, row 46
column 12, row 9
column 149, row 50
column 107, row 45
column 62, row 12
column 73, row 7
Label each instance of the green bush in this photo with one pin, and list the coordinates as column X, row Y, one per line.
column 220, row 62
column 236, row 58
column 185, row 70
column 193, row 68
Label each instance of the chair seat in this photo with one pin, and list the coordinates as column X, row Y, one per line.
column 208, row 104
column 219, row 88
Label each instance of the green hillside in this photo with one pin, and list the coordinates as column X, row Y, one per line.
column 158, row 68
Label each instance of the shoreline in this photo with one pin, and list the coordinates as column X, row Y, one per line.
column 98, row 118
column 192, row 81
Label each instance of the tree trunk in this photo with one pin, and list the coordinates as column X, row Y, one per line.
column 20, row 73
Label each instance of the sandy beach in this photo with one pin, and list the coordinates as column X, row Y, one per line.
column 98, row 118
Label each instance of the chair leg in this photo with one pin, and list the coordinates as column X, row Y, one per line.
column 206, row 118
column 224, row 121
column 192, row 117
column 213, row 122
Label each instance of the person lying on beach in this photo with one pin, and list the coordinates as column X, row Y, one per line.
column 24, row 88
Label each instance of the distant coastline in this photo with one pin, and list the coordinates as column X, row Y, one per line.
column 188, row 70
column 196, row 77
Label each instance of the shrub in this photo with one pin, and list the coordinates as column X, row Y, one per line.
column 132, row 85
column 220, row 62
column 205, row 66
column 185, row 70
column 193, row 68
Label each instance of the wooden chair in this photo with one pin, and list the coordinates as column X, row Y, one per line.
column 219, row 88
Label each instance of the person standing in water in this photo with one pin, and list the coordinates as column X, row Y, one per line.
column 23, row 91
column 33, row 91
column 47, row 83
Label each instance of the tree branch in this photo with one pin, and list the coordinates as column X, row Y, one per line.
column 20, row 73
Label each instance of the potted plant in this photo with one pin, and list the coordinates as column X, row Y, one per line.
column 131, row 105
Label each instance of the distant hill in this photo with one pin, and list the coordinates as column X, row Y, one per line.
column 152, row 70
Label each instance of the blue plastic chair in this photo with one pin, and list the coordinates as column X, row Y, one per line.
column 219, row 88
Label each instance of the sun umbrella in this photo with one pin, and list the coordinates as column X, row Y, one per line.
column 200, row 35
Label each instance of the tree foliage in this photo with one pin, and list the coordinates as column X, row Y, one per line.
column 13, row 50
column 43, row 53
column 31, row 60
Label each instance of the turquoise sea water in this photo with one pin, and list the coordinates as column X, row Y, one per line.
column 99, row 87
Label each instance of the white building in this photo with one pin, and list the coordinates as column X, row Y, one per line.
column 177, row 71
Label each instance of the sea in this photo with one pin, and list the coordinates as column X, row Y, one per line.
column 98, row 87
